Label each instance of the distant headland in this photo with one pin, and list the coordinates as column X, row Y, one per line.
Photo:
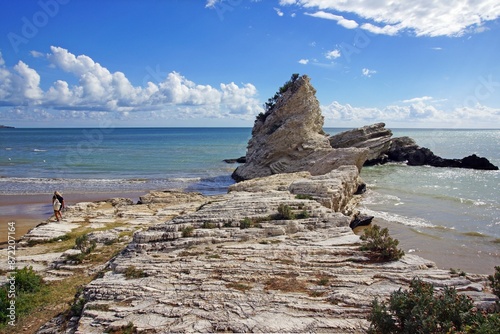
column 6, row 127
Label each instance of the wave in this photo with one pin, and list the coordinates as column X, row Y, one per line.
column 395, row 218
column 38, row 150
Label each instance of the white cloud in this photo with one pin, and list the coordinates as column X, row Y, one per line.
column 278, row 11
column 100, row 90
column 333, row 54
column 423, row 18
column 416, row 112
column 211, row 3
column 348, row 24
column 368, row 73
column 418, row 99
column 304, row 61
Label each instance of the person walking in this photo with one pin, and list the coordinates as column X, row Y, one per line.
column 58, row 205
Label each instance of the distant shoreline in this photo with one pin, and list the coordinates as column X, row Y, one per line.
column 6, row 127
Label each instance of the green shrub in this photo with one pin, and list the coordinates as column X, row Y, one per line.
column 495, row 281
column 382, row 246
column 132, row 272
column 303, row 215
column 208, row 225
column 246, row 223
column 27, row 280
column 304, row 196
column 83, row 243
column 419, row 310
column 25, row 283
column 187, row 231
column 285, row 212
column 271, row 102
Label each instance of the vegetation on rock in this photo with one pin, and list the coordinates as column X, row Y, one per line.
column 271, row 102
column 380, row 244
column 420, row 310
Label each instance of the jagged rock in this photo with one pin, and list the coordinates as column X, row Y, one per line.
column 405, row 149
column 382, row 149
column 374, row 137
column 289, row 138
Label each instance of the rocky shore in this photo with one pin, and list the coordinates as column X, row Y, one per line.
column 273, row 255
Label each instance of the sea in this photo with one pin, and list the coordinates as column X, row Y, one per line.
column 459, row 207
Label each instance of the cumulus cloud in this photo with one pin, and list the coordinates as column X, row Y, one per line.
column 278, row 11
column 423, row 18
column 419, row 112
column 304, row 61
column 98, row 89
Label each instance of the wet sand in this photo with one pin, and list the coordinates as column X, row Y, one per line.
column 479, row 256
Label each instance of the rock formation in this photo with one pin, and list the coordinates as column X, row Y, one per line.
column 289, row 137
column 374, row 137
column 382, row 149
column 230, row 264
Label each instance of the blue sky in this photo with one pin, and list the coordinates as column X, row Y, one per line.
column 77, row 63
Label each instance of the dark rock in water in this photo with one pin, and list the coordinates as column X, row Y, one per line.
column 383, row 149
column 361, row 189
column 240, row 160
column 360, row 220
column 405, row 149
column 473, row 161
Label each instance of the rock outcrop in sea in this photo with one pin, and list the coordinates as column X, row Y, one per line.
column 383, row 148
column 289, row 137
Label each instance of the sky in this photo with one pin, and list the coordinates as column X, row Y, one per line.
column 85, row 63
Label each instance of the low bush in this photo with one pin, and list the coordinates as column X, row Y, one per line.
column 285, row 212
column 132, row 272
column 22, row 285
column 495, row 281
column 187, row 231
column 420, row 310
column 380, row 244
column 83, row 243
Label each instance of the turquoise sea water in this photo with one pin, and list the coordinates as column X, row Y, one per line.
column 458, row 205
column 123, row 159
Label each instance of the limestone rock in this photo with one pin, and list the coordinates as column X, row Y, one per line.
column 289, row 138
column 374, row 137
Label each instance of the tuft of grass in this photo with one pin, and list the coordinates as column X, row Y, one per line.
column 208, row 225
column 304, row 196
column 285, row 212
column 187, row 231
column 458, row 272
column 131, row 272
